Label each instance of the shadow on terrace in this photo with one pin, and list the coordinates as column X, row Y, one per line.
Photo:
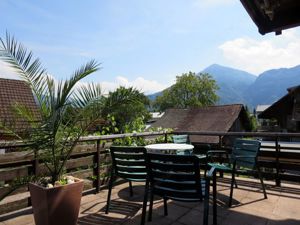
column 249, row 207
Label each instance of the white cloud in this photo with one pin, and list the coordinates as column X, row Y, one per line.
column 140, row 83
column 258, row 56
column 7, row 72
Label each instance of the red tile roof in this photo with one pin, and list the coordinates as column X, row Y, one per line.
column 12, row 92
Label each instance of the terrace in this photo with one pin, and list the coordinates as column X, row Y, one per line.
column 281, row 208
column 281, row 164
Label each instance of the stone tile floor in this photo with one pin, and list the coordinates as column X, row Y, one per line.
column 249, row 207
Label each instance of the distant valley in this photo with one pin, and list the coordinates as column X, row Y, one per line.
column 237, row 86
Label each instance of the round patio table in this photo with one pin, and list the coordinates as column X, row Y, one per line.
column 170, row 148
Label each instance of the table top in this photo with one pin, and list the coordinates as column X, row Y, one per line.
column 169, row 146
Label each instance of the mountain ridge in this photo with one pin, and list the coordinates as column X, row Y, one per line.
column 240, row 87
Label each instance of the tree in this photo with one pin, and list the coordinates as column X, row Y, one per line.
column 252, row 124
column 53, row 133
column 190, row 90
column 126, row 105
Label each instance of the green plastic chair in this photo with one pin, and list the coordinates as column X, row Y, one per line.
column 128, row 163
column 242, row 159
column 181, row 139
column 177, row 177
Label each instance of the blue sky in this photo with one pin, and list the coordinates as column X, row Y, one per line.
column 145, row 43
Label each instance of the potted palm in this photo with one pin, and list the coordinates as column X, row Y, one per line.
column 53, row 132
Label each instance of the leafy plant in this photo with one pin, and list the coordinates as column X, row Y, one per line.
column 161, row 139
column 52, row 133
column 135, row 126
column 126, row 105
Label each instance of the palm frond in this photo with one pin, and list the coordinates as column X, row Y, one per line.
column 66, row 88
column 86, row 95
column 24, row 112
column 29, row 69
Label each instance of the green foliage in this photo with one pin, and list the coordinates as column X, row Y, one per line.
column 126, row 105
column 110, row 126
column 190, row 90
column 161, row 139
column 252, row 121
column 135, row 126
column 53, row 133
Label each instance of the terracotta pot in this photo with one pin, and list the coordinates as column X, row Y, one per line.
column 57, row 205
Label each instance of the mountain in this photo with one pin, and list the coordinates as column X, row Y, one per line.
column 271, row 85
column 237, row 86
column 152, row 97
column 232, row 83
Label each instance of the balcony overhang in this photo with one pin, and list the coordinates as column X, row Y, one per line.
column 273, row 15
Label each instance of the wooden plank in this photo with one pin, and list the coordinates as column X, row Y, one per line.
column 290, row 166
column 5, row 190
column 82, row 174
column 75, row 163
column 290, row 177
column 12, row 173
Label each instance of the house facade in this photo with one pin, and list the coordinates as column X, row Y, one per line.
column 286, row 111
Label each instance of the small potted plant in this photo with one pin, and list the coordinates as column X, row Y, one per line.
column 65, row 111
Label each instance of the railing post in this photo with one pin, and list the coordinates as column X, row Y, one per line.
column 220, row 141
column 277, row 146
column 97, row 169
column 34, row 171
column 35, row 165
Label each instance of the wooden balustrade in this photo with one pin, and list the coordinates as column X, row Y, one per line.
column 91, row 160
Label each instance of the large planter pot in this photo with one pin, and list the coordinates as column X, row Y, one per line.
column 56, row 206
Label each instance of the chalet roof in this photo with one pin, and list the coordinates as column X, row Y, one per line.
column 273, row 15
column 12, row 92
column 211, row 118
column 283, row 106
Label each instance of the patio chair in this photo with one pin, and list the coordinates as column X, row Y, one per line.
column 128, row 163
column 242, row 159
column 181, row 139
column 177, row 177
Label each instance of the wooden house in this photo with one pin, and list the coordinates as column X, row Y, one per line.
column 286, row 111
column 11, row 93
column 221, row 118
column 273, row 15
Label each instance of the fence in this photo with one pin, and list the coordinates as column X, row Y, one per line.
column 91, row 161
column 281, row 159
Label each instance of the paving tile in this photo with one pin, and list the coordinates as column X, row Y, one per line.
column 278, row 220
column 239, row 218
column 250, row 208
column 194, row 217
column 175, row 211
column 259, row 203
column 288, row 208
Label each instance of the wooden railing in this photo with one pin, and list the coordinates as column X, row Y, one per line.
column 91, row 161
column 281, row 160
